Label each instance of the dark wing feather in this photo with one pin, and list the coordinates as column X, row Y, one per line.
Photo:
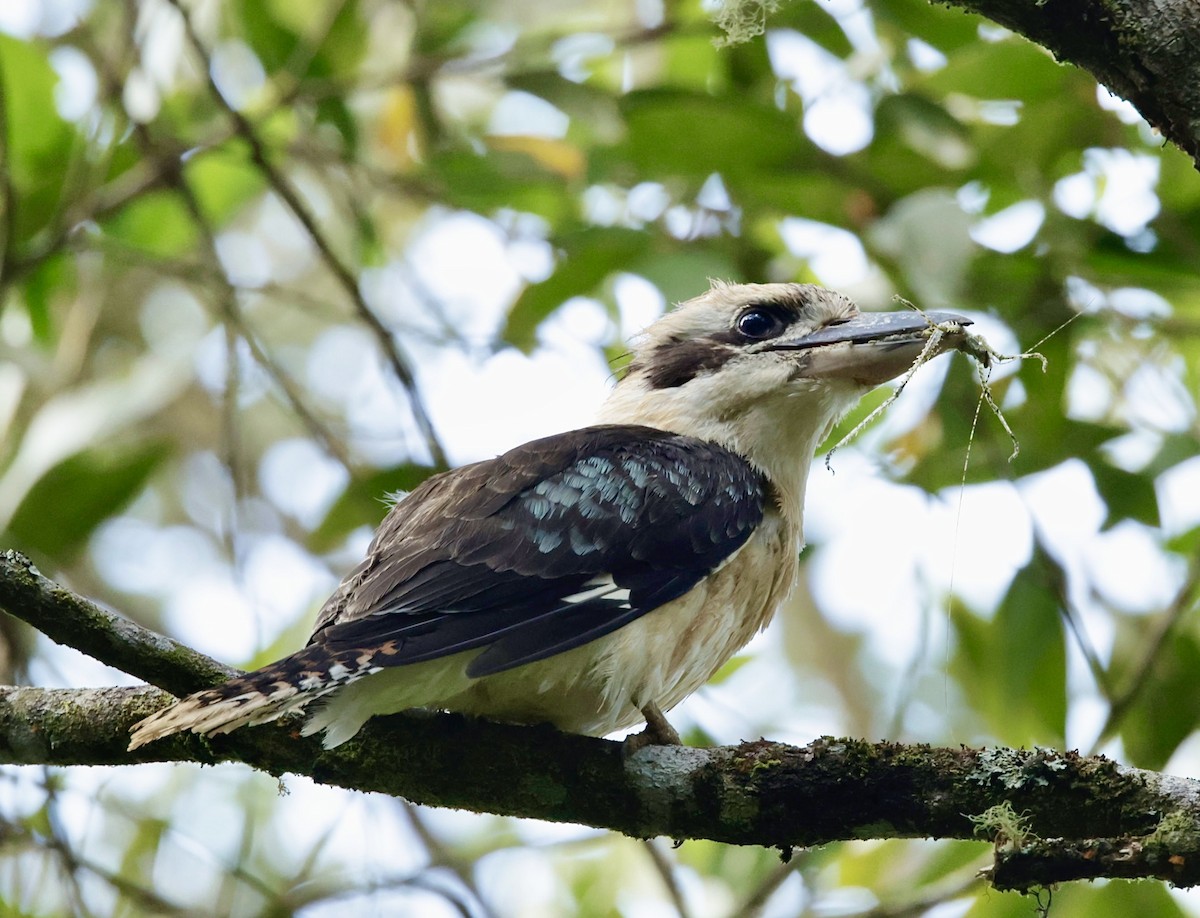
column 549, row 546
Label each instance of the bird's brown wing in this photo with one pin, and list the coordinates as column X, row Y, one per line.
column 549, row 546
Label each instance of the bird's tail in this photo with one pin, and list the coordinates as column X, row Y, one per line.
column 258, row 697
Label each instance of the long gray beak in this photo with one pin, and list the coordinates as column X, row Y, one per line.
column 873, row 347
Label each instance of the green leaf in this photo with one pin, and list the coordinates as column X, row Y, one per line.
column 1126, row 494
column 1013, row 668
column 39, row 144
column 589, row 257
column 61, row 511
column 672, row 133
column 224, row 180
column 364, row 503
column 271, row 41
column 683, row 274
column 501, row 180
column 1167, row 707
column 278, row 35
column 52, row 280
column 156, row 223
column 1010, row 69
column 946, row 29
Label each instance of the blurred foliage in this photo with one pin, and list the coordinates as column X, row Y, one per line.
column 218, row 246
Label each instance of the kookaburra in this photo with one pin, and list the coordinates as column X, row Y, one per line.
column 595, row 578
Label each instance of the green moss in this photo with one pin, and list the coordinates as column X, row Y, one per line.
column 1177, row 830
column 1007, row 829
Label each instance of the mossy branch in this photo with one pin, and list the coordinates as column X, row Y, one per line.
column 76, row 622
column 1079, row 816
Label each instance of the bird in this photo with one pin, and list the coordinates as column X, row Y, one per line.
column 593, row 579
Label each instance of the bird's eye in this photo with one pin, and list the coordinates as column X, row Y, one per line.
column 758, row 324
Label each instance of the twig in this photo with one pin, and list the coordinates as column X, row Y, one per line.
column 666, row 871
column 758, row 899
column 1184, row 601
column 441, row 856
column 287, row 193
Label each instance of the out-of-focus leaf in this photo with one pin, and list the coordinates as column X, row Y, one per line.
column 1004, row 905
column 814, row 194
column 589, row 256
column 1126, row 494
column 60, row 512
column 442, row 25
column 1187, row 543
column 38, row 143
column 557, row 156
column 51, row 280
column 1012, row 69
column 935, row 261
column 693, row 62
column 896, row 866
column 684, row 274
column 271, row 41
column 223, row 180
column 926, row 127
column 1177, row 187
column 730, row 667
column 1165, row 270
column 1167, row 709
column 1050, row 133
column 278, row 35
column 672, row 133
column 156, row 223
column 816, row 23
column 509, row 180
column 930, row 24
column 892, row 166
column 364, row 503
column 1013, row 668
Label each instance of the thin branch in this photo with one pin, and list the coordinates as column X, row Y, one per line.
column 442, row 856
column 288, row 194
column 170, row 168
column 914, row 908
column 1184, row 601
column 665, row 867
column 77, row 622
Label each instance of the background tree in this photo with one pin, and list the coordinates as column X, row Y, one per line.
column 263, row 262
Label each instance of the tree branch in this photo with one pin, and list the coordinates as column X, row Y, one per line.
column 344, row 276
column 1136, row 823
column 1146, row 51
column 77, row 622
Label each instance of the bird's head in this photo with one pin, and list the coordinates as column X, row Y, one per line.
column 766, row 369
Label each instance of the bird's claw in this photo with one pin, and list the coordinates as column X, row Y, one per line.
column 658, row 732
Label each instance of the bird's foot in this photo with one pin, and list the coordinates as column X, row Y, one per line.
column 658, row 732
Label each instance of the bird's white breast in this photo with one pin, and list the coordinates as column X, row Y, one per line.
column 600, row 687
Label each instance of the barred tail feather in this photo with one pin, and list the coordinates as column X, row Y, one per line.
column 258, row 697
